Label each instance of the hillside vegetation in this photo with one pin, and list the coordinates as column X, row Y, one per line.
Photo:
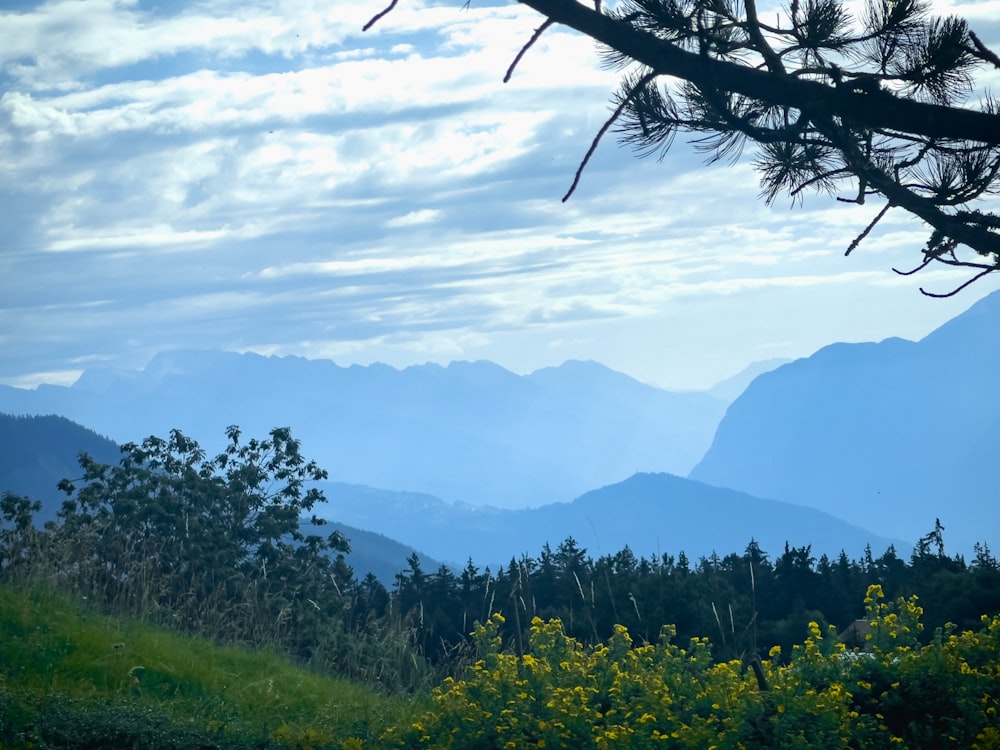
column 71, row 678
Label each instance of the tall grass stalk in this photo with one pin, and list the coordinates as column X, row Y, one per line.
column 50, row 645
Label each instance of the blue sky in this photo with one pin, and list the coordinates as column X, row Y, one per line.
column 264, row 176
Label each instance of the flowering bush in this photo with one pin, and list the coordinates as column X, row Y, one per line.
column 562, row 694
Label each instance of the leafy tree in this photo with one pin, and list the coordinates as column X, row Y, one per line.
column 19, row 539
column 211, row 544
column 856, row 108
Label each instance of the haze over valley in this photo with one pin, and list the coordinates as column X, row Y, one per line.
column 859, row 444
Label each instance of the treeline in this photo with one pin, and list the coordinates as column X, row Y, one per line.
column 746, row 603
column 215, row 546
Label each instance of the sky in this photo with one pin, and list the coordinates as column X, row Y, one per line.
column 265, row 176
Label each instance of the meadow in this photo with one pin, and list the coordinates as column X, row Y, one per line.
column 72, row 678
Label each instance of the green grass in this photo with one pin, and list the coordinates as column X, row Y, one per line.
column 69, row 677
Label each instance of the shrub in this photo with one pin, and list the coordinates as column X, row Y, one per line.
column 563, row 694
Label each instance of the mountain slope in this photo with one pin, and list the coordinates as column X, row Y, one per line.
column 36, row 453
column 471, row 432
column 730, row 389
column 650, row 513
column 890, row 435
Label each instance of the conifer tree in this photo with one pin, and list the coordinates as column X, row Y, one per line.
column 880, row 107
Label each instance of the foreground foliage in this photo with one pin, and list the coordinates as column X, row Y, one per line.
column 746, row 602
column 216, row 547
column 220, row 547
column 562, row 694
column 216, row 551
column 73, row 679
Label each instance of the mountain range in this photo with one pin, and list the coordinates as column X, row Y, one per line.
column 651, row 514
column 474, row 460
column 471, row 432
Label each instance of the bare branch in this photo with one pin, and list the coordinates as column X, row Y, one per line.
column 380, row 15
column 771, row 57
column 860, row 238
column 534, row 38
column 984, row 270
column 604, row 129
column 928, row 259
column 983, row 52
column 959, row 288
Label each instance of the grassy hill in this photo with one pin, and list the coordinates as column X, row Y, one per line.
column 70, row 678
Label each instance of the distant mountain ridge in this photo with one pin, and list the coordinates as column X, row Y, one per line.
column 649, row 513
column 888, row 436
column 891, row 435
column 471, row 431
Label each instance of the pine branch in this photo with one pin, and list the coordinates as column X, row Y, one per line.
column 983, row 52
column 889, row 112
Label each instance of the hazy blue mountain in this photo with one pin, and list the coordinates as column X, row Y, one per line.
column 649, row 513
column 37, row 452
column 729, row 390
column 890, row 435
column 374, row 553
column 471, row 432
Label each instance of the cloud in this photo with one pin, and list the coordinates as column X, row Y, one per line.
column 61, row 40
column 415, row 218
column 266, row 176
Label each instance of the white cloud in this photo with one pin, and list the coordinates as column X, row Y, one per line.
column 264, row 175
column 159, row 237
column 415, row 218
column 51, row 377
column 64, row 39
